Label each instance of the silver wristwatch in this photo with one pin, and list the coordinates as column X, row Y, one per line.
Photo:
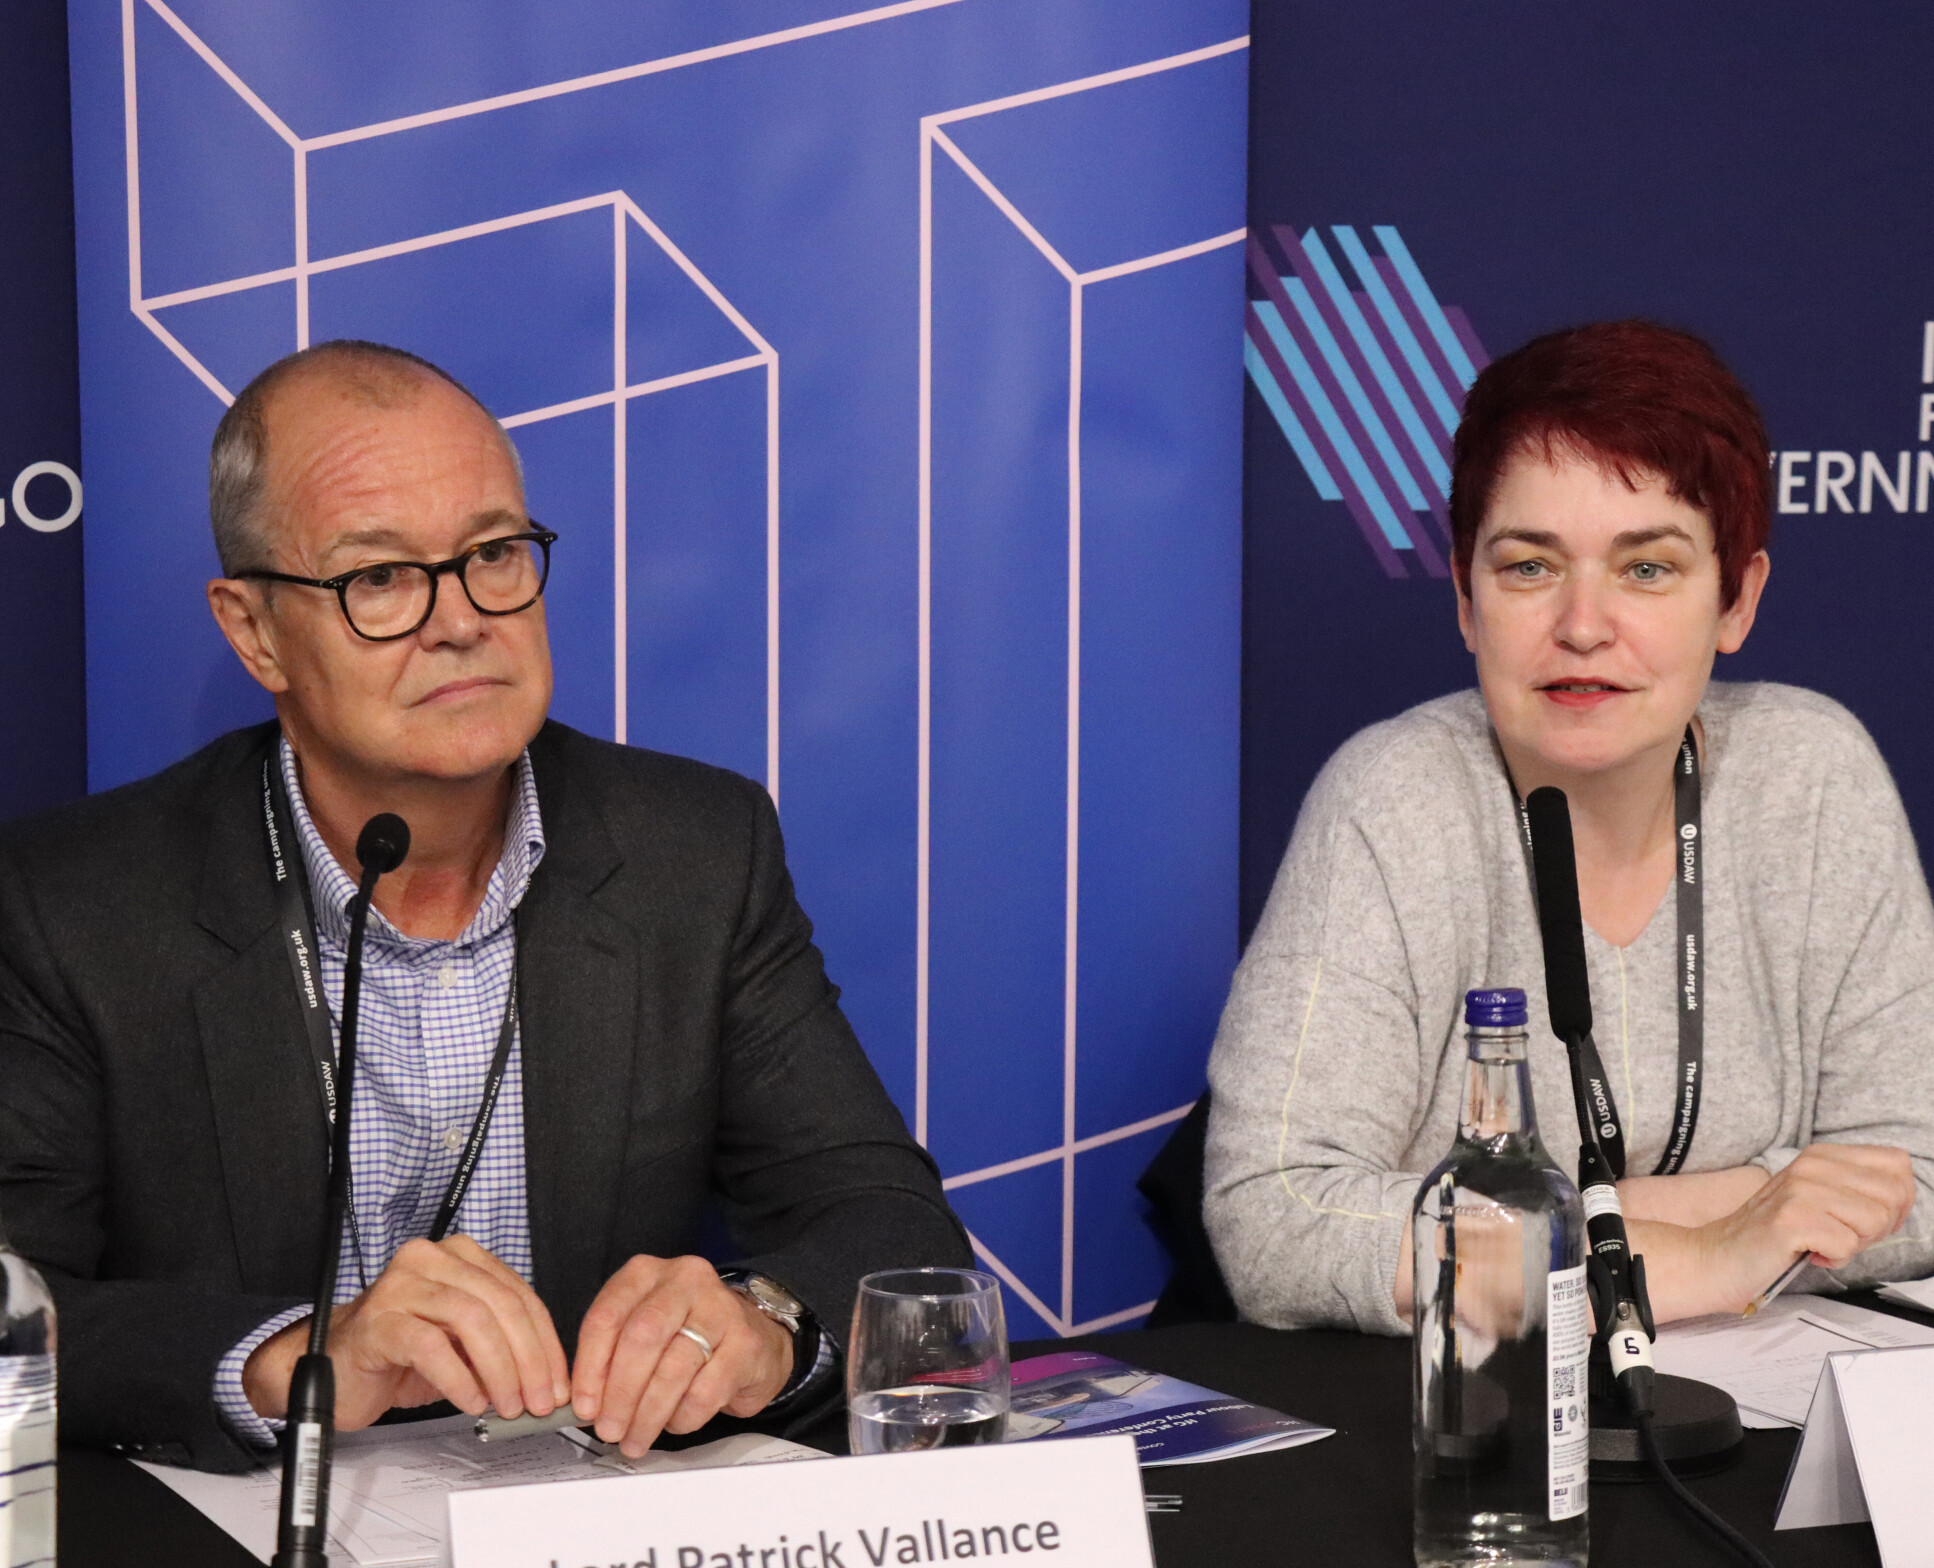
column 771, row 1298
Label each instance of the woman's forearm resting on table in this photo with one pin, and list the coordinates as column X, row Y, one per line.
column 1715, row 1240
column 1696, row 1198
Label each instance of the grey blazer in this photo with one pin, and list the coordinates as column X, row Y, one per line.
column 162, row 1143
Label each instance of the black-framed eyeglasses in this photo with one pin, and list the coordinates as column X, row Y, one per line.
column 393, row 599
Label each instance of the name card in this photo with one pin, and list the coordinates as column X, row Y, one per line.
column 1073, row 1503
column 1867, row 1452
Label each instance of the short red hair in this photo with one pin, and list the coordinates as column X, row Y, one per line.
column 1642, row 400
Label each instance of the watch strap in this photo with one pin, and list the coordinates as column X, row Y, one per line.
column 805, row 1333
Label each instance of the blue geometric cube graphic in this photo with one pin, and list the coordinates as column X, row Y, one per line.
column 1081, row 651
column 986, row 524
column 588, row 305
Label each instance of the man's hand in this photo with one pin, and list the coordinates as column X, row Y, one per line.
column 637, row 1376
column 445, row 1320
column 1832, row 1203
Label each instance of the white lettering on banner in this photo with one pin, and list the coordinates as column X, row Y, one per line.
column 1832, row 471
column 1871, row 472
column 27, row 515
column 1889, row 472
column 1790, row 481
column 1073, row 1503
column 1910, row 471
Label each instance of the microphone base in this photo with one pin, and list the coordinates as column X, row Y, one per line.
column 1695, row 1425
column 299, row 1559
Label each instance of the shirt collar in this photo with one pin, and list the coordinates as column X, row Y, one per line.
column 331, row 887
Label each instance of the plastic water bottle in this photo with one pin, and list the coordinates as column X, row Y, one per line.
column 1500, row 1403
column 27, row 1438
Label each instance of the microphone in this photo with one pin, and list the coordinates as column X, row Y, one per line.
column 1554, row 868
column 308, row 1448
column 1617, row 1279
column 1568, row 986
column 382, row 844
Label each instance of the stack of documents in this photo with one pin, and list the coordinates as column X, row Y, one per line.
column 1770, row 1363
column 386, row 1500
column 1077, row 1393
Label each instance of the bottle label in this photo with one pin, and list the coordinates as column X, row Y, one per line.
column 1567, row 1394
column 27, row 1448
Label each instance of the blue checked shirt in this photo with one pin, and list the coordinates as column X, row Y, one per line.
column 429, row 1020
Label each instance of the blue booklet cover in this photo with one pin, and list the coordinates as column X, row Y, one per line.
column 1076, row 1393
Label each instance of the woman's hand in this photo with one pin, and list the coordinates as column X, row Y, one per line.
column 1831, row 1204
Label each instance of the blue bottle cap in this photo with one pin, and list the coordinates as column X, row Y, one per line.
column 1503, row 1009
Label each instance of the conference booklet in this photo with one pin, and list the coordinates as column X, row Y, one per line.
column 1076, row 1393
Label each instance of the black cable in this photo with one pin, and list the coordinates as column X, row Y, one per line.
column 1741, row 1547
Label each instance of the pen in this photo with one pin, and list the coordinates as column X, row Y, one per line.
column 501, row 1429
column 1792, row 1273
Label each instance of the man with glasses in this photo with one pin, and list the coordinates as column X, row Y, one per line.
column 591, row 1011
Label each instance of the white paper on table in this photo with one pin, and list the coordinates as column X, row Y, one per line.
column 386, row 1507
column 1867, row 1453
column 1911, row 1293
column 1771, row 1362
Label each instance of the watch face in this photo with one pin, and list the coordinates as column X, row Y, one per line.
column 774, row 1295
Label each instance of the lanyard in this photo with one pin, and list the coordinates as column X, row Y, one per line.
column 1690, row 987
column 296, row 917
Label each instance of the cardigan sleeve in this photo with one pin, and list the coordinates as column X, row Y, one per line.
column 1868, row 992
column 1323, row 1069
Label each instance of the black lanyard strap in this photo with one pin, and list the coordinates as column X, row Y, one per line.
column 296, row 917
column 480, row 1128
column 1690, row 881
column 1689, row 959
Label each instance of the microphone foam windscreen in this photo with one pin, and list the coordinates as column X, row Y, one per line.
column 1554, row 868
column 383, row 842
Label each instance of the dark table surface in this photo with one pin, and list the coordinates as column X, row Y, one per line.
column 1344, row 1500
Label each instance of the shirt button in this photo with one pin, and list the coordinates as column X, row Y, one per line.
column 447, row 975
column 453, row 1138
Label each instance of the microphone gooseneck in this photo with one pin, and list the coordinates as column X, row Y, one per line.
column 1617, row 1279
column 1701, row 1424
column 302, row 1531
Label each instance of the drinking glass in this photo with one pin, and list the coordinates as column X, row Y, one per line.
column 926, row 1365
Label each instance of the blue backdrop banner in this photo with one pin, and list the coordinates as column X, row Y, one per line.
column 880, row 370
column 1431, row 186
column 42, row 715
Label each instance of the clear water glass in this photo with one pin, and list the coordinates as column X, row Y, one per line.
column 926, row 1363
column 27, row 1424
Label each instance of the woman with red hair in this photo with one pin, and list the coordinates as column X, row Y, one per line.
column 1609, row 512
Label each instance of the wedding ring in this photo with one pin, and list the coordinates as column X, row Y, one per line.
column 698, row 1339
